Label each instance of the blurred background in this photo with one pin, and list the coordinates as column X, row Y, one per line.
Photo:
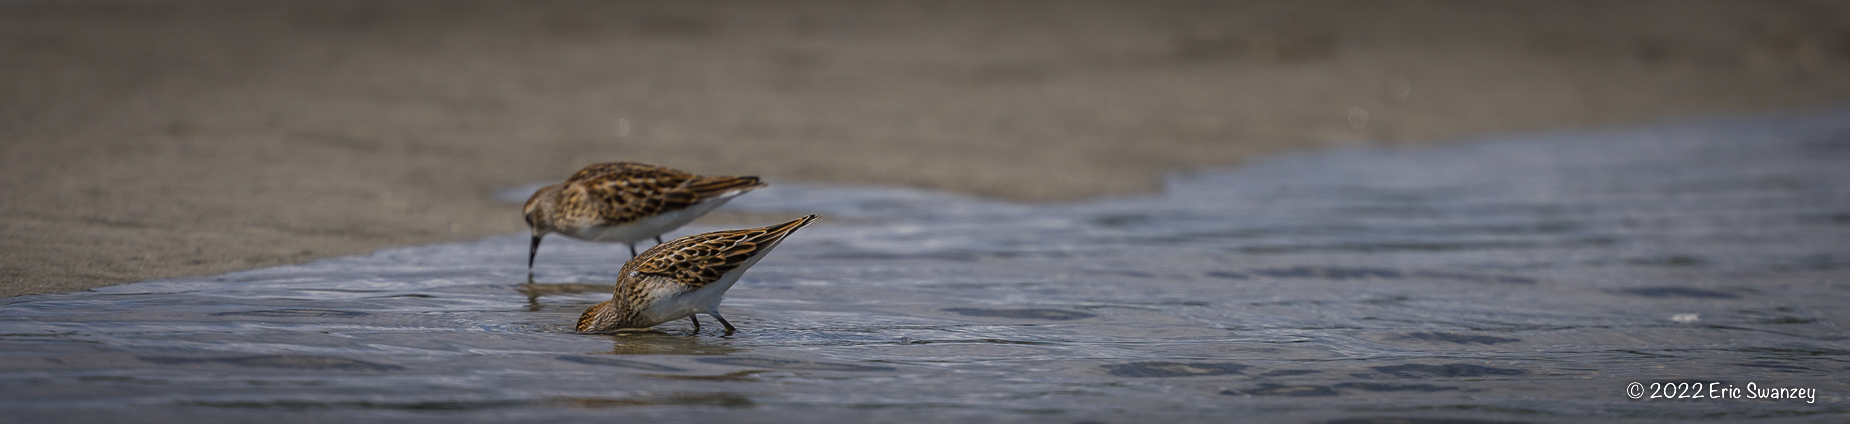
column 158, row 139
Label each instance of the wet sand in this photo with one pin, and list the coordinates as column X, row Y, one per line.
column 1350, row 285
column 155, row 140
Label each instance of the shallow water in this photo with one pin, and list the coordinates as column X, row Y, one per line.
column 1517, row 279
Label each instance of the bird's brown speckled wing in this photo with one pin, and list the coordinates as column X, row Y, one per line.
column 622, row 192
column 701, row 259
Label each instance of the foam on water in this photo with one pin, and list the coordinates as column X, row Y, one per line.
column 1526, row 278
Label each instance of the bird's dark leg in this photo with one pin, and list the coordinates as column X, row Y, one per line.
column 632, row 250
column 722, row 321
column 696, row 320
column 658, row 239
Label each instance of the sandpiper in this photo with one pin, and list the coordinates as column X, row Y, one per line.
column 627, row 202
column 684, row 277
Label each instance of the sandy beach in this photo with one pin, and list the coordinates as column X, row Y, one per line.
column 144, row 140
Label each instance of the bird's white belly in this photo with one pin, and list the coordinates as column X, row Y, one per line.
column 674, row 306
column 670, row 307
column 646, row 228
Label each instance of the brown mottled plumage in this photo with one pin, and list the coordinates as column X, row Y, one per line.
column 627, row 202
column 683, row 277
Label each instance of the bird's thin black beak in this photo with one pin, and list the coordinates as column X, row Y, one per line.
column 533, row 252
